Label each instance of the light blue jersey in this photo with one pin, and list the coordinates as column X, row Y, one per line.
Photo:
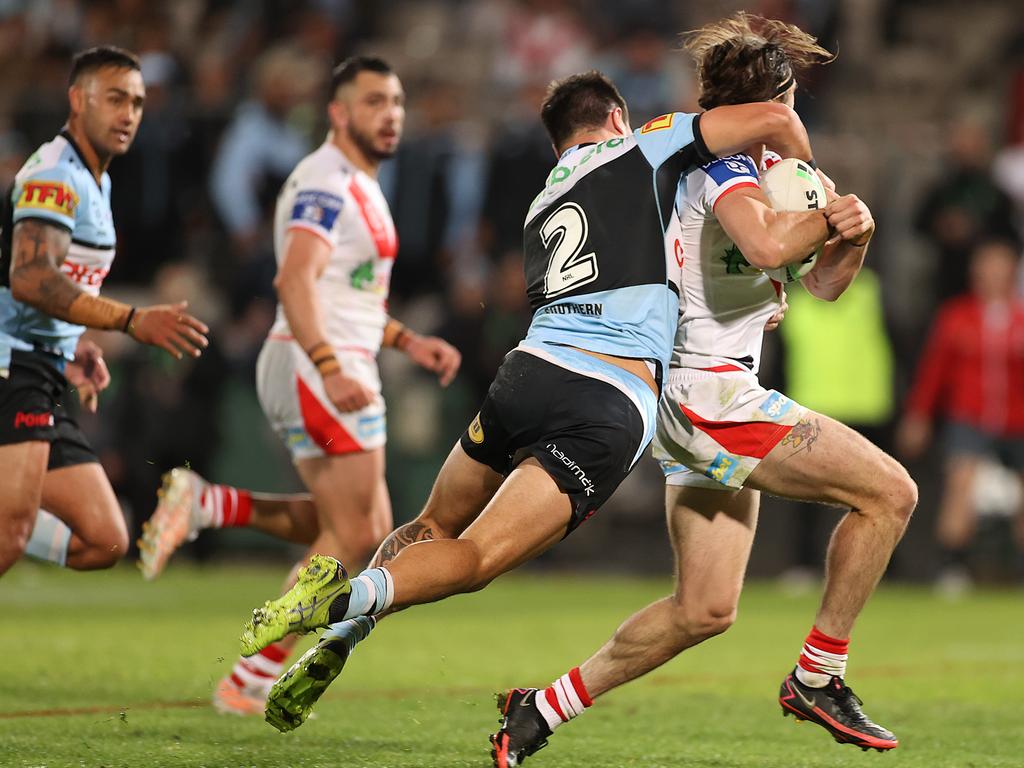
column 601, row 243
column 56, row 186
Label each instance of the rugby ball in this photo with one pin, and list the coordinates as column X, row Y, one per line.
column 792, row 185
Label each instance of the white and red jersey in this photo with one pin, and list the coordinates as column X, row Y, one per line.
column 725, row 302
column 328, row 196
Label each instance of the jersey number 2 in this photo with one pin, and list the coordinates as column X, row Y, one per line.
column 564, row 232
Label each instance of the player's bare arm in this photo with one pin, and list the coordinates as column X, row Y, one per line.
column 39, row 249
column 843, row 255
column 305, row 258
column 431, row 352
column 768, row 238
column 734, row 128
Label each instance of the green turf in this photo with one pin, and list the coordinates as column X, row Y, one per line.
column 141, row 659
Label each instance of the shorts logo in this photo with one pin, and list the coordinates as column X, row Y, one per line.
column 475, row 431
column 24, row 420
column 370, row 426
column 573, row 468
column 722, row 468
column 776, row 406
column 658, row 123
column 50, row 196
column 297, row 438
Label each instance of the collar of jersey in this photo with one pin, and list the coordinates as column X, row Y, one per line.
column 574, row 147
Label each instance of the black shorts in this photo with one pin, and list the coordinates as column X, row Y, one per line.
column 32, row 408
column 584, row 432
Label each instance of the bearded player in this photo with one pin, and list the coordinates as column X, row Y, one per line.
column 317, row 375
column 723, row 439
column 57, row 246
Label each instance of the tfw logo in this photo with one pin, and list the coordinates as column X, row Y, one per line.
column 30, row 420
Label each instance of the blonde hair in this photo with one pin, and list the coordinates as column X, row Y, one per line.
column 747, row 58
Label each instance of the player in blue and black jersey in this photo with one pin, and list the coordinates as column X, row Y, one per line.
column 571, row 408
column 56, row 246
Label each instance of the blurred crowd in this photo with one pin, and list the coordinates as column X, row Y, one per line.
column 236, row 91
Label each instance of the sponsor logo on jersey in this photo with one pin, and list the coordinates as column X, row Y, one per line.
column 24, row 420
column 476, row 431
column 726, row 169
column 776, row 406
column 318, row 208
column 591, row 310
column 659, row 123
column 722, row 468
column 84, row 274
column 52, row 196
column 735, row 262
column 361, row 278
column 574, row 468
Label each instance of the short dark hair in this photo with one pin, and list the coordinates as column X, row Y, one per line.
column 579, row 102
column 347, row 70
column 101, row 56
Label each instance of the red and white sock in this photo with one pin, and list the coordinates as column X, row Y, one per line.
column 226, row 506
column 257, row 673
column 564, row 699
column 821, row 659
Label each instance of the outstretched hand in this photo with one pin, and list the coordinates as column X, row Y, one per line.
column 435, row 355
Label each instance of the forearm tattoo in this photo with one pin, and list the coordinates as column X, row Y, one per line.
column 38, row 252
column 400, row 538
column 802, row 436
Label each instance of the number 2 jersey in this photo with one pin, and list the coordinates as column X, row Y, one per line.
column 600, row 243
column 331, row 198
column 57, row 187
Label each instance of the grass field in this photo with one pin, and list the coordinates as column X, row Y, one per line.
column 105, row 670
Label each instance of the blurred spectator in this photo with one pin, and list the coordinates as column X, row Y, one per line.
column 260, row 147
column 520, row 158
column 436, row 187
column 971, row 375
column 150, row 225
column 838, row 362
column 962, row 207
column 637, row 66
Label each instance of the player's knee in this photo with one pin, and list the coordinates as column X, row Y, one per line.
column 904, row 495
column 15, row 531
column 706, row 619
column 105, row 548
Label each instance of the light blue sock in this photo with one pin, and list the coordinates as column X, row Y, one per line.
column 49, row 540
column 350, row 632
column 372, row 593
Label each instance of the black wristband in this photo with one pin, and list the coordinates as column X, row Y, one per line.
column 814, row 165
column 128, row 321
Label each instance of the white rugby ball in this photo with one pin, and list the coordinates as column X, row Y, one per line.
column 792, row 185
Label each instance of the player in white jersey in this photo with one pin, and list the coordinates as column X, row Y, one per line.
column 317, row 373
column 722, row 438
column 56, row 247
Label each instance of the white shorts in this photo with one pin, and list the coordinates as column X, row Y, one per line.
column 715, row 426
column 293, row 398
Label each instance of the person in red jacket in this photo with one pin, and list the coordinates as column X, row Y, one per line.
column 972, row 376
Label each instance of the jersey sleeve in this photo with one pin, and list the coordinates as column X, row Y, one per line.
column 720, row 177
column 672, row 133
column 316, row 210
column 47, row 194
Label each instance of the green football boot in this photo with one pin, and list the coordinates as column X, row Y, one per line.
column 303, row 608
column 292, row 697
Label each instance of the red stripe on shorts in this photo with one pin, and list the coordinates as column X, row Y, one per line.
column 322, row 426
column 743, row 438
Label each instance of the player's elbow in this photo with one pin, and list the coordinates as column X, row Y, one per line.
column 22, row 287
column 765, row 253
